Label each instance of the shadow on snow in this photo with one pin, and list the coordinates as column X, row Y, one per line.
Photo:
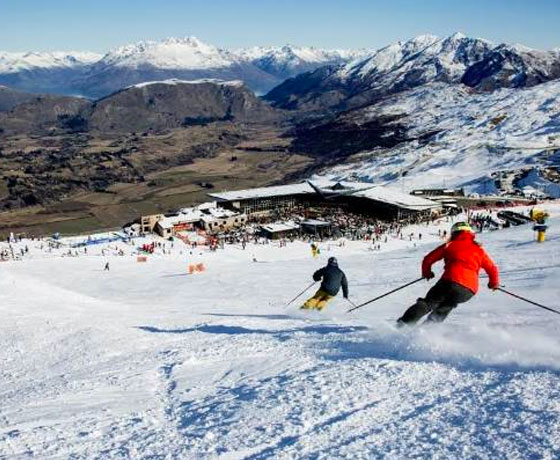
column 234, row 330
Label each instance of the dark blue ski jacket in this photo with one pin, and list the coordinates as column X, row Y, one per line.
column 333, row 279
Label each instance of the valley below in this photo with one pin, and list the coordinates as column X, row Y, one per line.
column 75, row 183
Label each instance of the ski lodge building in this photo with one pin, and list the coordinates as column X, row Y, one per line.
column 207, row 217
column 231, row 209
column 280, row 230
column 359, row 197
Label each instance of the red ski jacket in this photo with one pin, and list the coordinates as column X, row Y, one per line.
column 464, row 258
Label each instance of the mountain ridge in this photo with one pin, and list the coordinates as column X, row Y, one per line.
column 404, row 65
column 96, row 75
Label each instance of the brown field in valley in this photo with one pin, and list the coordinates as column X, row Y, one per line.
column 163, row 173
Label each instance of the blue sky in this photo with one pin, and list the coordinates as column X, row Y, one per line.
column 99, row 25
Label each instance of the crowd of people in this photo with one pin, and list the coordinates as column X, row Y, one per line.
column 343, row 224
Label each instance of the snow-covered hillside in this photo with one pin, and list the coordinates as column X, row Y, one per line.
column 469, row 136
column 424, row 59
column 144, row 361
column 432, row 58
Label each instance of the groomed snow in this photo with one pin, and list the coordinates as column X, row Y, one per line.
column 145, row 361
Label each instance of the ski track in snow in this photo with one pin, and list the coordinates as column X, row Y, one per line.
column 143, row 363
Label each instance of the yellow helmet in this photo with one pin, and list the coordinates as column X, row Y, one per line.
column 461, row 227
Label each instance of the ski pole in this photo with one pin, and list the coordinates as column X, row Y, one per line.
column 384, row 295
column 351, row 303
column 302, row 292
column 528, row 301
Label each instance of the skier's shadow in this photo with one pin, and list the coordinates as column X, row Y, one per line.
column 221, row 329
column 175, row 275
column 272, row 317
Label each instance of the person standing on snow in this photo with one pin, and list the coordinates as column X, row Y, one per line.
column 333, row 278
column 464, row 258
column 315, row 250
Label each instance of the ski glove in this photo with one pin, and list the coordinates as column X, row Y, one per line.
column 428, row 275
column 493, row 286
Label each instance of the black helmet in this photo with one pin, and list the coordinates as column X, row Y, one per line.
column 332, row 261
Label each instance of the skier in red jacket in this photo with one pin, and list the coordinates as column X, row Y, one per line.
column 464, row 258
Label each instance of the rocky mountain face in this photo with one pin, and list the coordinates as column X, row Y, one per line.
column 44, row 114
column 9, row 98
column 402, row 66
column 152, row 106
column 331, row 141
column 171, row 104
column 95, row 76
column 51, row 147
column 512, row 67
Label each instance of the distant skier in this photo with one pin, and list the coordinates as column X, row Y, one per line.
column 106, row 269
column 315, row 251
column 333, row 278
column 464, row 258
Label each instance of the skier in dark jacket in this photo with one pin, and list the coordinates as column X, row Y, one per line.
column 464, row 258
column 333, row 278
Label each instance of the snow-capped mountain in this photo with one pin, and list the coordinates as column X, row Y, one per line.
column 405, row 65
column 185, row 59
column 94, row 75
column 417, row 61
column 261, row 68
column 48, row 72
column 12, row 62
column 454, row 137
column 288, row 61
column 331, row 78
column 172, row 53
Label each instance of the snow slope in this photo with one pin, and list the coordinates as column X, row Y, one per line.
column 468, row 136
column 145, row 361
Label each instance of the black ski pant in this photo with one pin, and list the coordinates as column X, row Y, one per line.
column 443, row 297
